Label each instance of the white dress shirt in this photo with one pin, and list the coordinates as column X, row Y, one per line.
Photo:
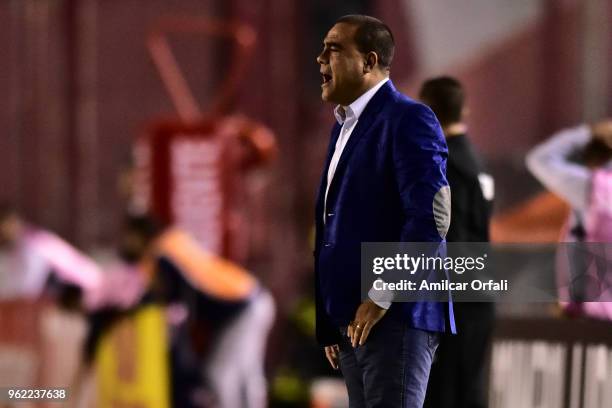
column 348, row 118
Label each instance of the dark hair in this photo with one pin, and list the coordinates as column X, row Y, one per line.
column 372, row 35
column 145, row 226
column 596, row 153
column 445, row 96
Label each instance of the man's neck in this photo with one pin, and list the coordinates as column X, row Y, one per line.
column 455, row 129
column 370, row 83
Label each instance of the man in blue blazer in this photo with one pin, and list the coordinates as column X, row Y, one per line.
column 384, row 181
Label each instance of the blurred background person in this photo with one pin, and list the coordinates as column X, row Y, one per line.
column 458, row 373
column 227, row 314
column 34, row 262
column 576, row 164
column 45, row 286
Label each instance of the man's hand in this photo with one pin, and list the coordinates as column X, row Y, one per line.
column 331, row 352
column 367, row 315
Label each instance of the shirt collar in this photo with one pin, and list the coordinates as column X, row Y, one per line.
column 355, row 109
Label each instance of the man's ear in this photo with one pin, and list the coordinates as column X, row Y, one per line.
column 371, row 60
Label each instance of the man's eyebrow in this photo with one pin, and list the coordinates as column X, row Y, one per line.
column 332, row 44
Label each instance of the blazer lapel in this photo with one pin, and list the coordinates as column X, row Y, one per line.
column 363, row 124
column 323, row 184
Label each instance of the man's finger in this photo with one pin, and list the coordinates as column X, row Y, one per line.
column 357, row 334
column 332, row 357
column 366, row 332
column 332, row 362
column 350, row 330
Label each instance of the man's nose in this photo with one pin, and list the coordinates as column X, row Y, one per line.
column 321, row 59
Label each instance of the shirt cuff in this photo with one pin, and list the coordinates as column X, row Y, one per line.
column 381, row 298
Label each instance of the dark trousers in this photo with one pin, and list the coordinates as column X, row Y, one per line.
column 391, row 369
column 458, row 374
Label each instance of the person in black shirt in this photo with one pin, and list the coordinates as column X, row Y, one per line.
column 458, row 373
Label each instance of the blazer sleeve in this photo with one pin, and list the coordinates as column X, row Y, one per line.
column 326, row 332
column 419, row 157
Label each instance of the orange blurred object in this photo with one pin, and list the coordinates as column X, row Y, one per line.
column 537, row 220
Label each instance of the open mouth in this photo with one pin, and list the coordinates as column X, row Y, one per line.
column 326, row 79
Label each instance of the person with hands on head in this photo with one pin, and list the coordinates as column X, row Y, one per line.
column 383, row 181
column 567, row 162
column 576, row 165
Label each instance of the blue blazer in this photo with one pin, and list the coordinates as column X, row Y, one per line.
column 390, row 173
